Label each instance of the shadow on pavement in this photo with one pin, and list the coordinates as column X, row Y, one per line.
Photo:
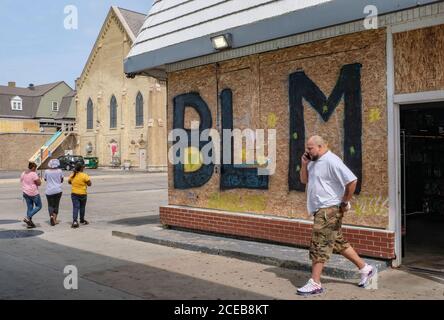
column 9, row 221
column 138, row 221
column 292, row 277
column 16, row 234
column 33, row 268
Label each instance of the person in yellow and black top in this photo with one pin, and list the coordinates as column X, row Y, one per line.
column 79, row 181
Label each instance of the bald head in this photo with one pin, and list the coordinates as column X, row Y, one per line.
column 317, row 140
column 316, row 147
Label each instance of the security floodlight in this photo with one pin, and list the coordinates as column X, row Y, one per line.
column 222, row 42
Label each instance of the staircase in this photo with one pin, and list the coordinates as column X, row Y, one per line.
column 49, row 147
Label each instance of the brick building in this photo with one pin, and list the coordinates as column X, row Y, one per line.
column 30, row 116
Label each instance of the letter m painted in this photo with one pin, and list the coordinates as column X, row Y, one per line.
column 348, row 86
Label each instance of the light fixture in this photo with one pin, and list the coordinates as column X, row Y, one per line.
column 222, row 41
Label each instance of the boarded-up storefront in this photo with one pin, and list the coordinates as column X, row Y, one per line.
column 339, row 82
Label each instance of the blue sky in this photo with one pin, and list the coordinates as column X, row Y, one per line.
column 36, row 48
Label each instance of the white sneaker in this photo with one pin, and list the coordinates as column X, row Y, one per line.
column 310, row 288
column 367, row 274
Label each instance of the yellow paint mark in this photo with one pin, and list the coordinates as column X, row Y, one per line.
column 370, row 206
column 375, row 115
column 237, row 203
column 272, row 119
column 254, row 203
column 193, row 159
column 244, row 154
column 262, row 161
column 325, row 109
column 352, row 150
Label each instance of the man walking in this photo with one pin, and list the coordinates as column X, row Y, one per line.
column 330, row 187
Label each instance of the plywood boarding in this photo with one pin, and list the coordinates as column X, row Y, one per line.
column 260, row 85
column 419, row 60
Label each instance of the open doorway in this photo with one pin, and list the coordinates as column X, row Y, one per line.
column 422, row 177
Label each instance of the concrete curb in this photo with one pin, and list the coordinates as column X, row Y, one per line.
column 297, row 264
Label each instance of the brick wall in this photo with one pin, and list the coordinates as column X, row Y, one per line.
column 17, row 148
column 367, row 242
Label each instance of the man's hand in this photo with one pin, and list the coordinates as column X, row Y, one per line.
column 349, row 191
column 305, row 160
column 303, row 173
column 344, row 207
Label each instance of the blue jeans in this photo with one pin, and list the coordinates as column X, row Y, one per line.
column 78, row 204
column 30, row 202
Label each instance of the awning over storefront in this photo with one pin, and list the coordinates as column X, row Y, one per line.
column 178, row 30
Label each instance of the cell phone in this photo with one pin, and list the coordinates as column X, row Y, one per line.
column 307, row 155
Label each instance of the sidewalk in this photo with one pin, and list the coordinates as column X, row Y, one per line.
column 265, row 253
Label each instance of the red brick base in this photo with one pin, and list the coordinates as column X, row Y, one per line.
column 367, row 242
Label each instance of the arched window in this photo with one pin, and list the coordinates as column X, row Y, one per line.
column 113, row 113
column 139, row 110
column 90, row 115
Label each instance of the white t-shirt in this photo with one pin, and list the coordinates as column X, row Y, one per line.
column 327, row 178
column 53, row 181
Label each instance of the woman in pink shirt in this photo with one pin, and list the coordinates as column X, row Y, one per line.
column 30, row 186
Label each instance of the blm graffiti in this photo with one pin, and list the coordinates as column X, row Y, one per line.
column 182, row 179
column 347, row 86
column 232, row 177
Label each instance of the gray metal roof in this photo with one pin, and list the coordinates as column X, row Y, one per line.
column 65, row 105
column 177, row 30
column 134, row 20
column 30, row 106
column 30, row 100
column 37, row 91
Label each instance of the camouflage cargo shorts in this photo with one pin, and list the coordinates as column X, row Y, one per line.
column 327, row 235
